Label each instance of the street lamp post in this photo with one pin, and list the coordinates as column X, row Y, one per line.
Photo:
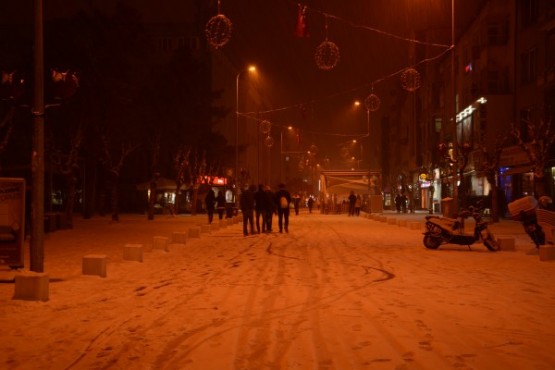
column 249, row 69
column 37, row 213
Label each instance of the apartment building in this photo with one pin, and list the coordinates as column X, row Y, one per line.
column 502, row 73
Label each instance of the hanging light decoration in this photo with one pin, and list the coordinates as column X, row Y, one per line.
column 372, row 101
column 64, row 83
column 269, row 141
column 410, row 79
column 265, row 126
column 12, row 85
column 327, row 53
column 218, row 30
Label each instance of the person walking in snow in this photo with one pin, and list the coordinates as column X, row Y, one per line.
column 210, row 202
column 247, row 207
column 282, row 200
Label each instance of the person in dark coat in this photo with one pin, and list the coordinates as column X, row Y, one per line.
column 247, row 207
column 352, row 200
column 282, row 199
column 220, row 204
column 260, row 208
column 270, row 207
column 210, row 202
column 310, row 204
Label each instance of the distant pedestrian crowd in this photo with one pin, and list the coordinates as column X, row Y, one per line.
column 258, row 206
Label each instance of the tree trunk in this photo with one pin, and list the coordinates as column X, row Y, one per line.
column 151, row 200
column 539, row 186
column 194, row 201
column 71, row 181
column 114, row 199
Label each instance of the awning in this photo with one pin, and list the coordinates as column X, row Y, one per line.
column 516, row 170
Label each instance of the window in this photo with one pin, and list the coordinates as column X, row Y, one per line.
column 529, row 68
column 529, row 12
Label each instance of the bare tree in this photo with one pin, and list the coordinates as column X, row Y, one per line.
column 67, row 164
column 489, row 165
column 6, row 128
column 113, row 163
column 181, row 167
column 154, row 163
column 540, row 139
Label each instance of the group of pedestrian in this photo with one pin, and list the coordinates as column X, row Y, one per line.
column 214, row 202
column 263, row 203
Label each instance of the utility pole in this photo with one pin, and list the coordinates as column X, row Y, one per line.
column 37, row 160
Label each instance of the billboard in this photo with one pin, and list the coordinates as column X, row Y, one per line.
column 12, row 221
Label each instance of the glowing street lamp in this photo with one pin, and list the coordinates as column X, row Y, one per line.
column 251, row 68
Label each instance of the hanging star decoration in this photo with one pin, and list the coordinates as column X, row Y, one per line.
column 300, row 28
column 410, row 79
column 218, row 30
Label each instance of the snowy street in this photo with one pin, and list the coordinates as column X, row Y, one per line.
column 336, row 292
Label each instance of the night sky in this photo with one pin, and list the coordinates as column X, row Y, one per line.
column 372, row 37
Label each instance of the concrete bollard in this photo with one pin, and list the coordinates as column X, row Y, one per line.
column 547, row 252
column 194, row 232
column 133, row 252
column 95, row 264
column 414, row 225
column 161, row 242
column 402, row 223
column 179, row 237
column 31, row 286
column 506, row 244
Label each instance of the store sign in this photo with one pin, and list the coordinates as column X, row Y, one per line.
column 12, row 221
column 214, row 180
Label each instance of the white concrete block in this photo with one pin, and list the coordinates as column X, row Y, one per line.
column 161, row 242
column 415, row 225
column 95, row 264
column 133, row 252
column 402, row 223
column 31, row 286
column 179, row 237
column 547, row 252
column 506, row 244
column 194, row 232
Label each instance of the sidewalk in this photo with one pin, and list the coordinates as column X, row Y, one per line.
column 505, row 228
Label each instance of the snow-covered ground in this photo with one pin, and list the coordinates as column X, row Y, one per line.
column 336, row 292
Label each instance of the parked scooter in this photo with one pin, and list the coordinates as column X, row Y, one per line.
column 444, row 230
column 524, row 210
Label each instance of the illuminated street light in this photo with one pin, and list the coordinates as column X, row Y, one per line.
column 251, row 68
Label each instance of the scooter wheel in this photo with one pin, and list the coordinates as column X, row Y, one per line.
column 491, row 243
column 431, row 242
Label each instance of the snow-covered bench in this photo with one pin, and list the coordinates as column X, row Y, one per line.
column 546, row 219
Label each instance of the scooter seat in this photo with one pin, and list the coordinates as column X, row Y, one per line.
column 444, row 222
